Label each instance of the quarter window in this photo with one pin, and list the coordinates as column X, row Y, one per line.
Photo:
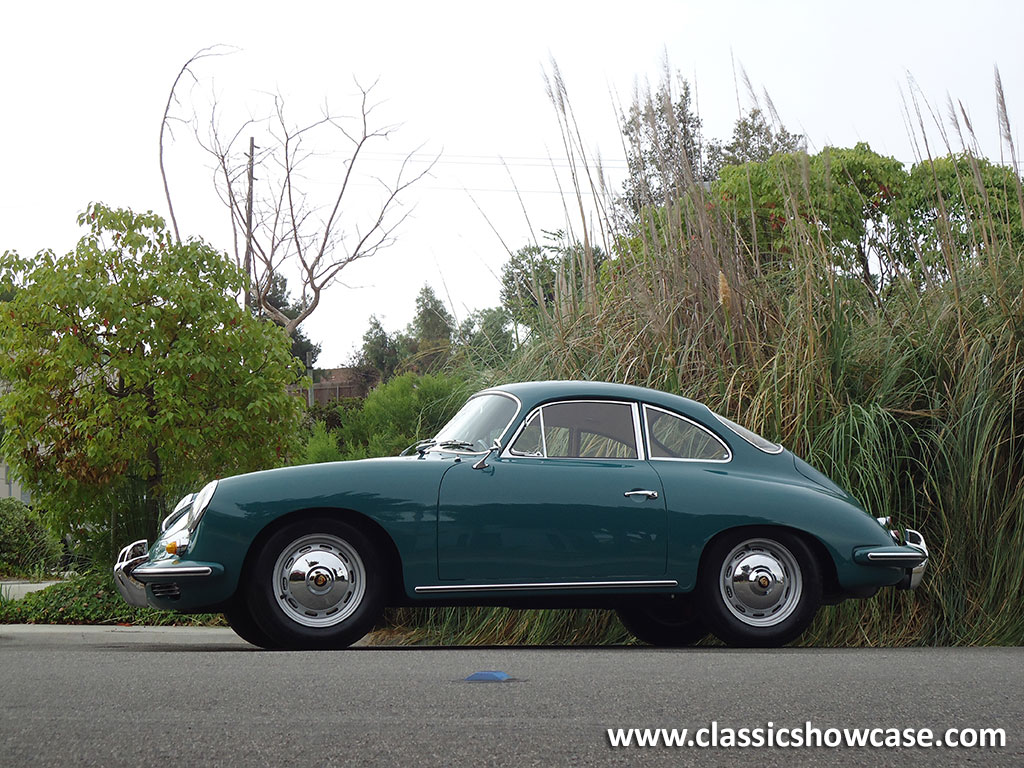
column 530, row 440
column 673, row 437
column 579, row 430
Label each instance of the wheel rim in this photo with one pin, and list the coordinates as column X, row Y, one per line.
column 319, row 580
column 761, row 582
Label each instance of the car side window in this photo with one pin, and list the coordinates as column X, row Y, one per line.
column 582, row 429
column 672, row 437
column 530, row 441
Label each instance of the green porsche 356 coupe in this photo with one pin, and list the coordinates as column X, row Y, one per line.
column 542, row 494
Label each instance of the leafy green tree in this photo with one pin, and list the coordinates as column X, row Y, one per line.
column 427, row 340
column 531, row 276
column 754, row 140
column 841, row 194
column 433, row 323
column 130, row 365
column 321, row 446
column 408, row 408
column 665, row 147
column 956, row 206
column 27, row 546
column 486, row 337
column 380, row 350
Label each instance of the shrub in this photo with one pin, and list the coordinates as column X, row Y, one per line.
column 27, row 546
column 396, row 414
column 321, row 446
column 89, row 598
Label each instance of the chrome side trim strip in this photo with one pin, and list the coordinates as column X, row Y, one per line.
column 545, row 585
column 191, row 570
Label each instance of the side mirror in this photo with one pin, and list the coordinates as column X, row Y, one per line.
column 482, row 464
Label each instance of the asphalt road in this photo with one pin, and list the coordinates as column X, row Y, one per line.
column 74, row 696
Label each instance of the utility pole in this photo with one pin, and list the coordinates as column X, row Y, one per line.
column 248, row 228
column 309, row 373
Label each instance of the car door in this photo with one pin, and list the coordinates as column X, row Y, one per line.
column 572, row 498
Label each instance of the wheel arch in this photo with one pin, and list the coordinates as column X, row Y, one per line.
column 381, row 539
column 826, row 564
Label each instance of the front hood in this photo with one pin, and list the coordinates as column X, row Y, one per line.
column 332, row 469
column 348, row 484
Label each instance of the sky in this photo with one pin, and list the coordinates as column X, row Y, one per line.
column 84, row 88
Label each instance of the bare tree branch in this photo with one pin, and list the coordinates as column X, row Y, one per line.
column 292, row 231
column 202, row 53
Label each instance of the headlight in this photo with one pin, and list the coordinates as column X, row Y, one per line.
column 202, row 501
column 178, row 511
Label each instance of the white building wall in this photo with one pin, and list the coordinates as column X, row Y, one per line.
column 9, row 487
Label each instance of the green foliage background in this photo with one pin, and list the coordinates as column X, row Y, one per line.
column 27, row 545
column 866, row 314
column 132, row 374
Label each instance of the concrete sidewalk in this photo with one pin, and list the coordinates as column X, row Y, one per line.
column 112, row 635
column 15, row 590
column 103, row 635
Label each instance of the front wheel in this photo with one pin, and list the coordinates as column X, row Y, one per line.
column 759, row 588
column 240, row 620
column 316, row 583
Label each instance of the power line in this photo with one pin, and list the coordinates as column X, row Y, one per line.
column 494, row 160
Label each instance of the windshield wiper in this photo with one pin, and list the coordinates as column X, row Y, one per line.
column 419, row 447
column 456, row 444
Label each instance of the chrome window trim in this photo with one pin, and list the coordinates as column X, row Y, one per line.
column 544, row 585
column 539, row 413
column 647, row 426
column 500, row 438
column 638, row 434
column 638, row 443
column 724, row 421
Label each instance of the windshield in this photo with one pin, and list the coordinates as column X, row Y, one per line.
column 482, row 419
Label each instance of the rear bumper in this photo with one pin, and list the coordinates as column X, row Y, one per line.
column 911, row 556
column 912, row 579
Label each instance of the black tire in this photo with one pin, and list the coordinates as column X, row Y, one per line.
column 240, row 620
column 776, row 600
column 669, row 621
column 339, row 596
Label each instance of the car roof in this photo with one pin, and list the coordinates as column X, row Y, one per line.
column 533, row 393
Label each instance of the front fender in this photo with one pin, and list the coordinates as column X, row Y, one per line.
column 399, row 494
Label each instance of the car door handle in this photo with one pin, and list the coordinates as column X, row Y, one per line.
column 648, row 494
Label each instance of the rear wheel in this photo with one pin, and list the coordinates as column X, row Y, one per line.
column 670, row 621
column 759, row 588
column 316, row 583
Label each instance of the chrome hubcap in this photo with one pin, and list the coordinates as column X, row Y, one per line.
column 761, row 582
column 319, row 580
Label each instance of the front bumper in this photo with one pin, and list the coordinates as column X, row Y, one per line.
column 130, row 558
column 134, row 570
column 911, row 556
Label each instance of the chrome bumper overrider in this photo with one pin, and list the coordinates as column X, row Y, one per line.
column 916, row 541
column 130, row 558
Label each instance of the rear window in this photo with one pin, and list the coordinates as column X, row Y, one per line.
column 751, row 437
